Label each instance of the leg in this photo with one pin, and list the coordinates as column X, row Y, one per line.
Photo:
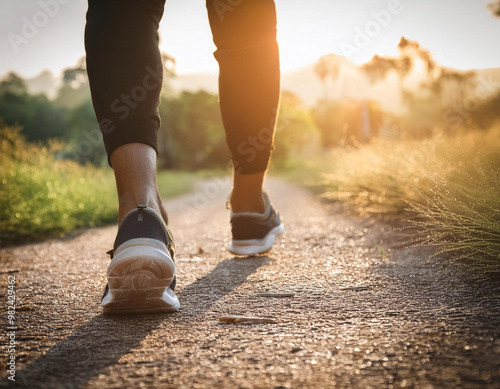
column 125, row 73
column 249, row 86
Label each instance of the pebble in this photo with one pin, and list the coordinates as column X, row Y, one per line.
column 275, row 294
column 246, row 319
column 5, row 271
column 356, row 288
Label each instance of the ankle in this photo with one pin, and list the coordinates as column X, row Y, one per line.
column 129, row 201
column 246, row 202
column 247, row 193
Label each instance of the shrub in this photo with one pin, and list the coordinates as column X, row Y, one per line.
column 42, row 196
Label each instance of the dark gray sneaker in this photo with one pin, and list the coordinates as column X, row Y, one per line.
column 255, row 233
column 141, row 275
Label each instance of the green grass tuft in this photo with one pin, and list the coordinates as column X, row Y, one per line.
column 41, row 196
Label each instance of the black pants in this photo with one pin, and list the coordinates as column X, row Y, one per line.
column 125, row 73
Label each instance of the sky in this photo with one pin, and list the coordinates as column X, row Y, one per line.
column 462, row 34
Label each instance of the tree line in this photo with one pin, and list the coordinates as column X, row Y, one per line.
column 192, row 136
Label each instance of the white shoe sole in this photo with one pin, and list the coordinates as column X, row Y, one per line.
column 256, row 246
column 139, row 277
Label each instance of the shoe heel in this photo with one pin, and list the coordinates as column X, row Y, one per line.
column 138, row 279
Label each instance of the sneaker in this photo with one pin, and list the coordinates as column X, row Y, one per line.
column 141, row 275
column 255, row 233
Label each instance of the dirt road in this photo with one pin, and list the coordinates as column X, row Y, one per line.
column 356, row 319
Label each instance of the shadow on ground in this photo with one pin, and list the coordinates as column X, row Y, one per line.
column 103, row 340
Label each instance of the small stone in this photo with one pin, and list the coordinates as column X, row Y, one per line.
column 192, row 259
column 255, row 320
column 246, row 320
column 356, row 288
column 23, row 308
column 6, row 271
column 275, row 294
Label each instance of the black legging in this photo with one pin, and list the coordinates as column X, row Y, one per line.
column 125, row 73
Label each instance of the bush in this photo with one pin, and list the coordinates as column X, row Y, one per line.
column 41, row 196
column 449, row 186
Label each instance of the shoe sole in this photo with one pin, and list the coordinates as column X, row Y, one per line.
column 139, row 277
column 256, row 246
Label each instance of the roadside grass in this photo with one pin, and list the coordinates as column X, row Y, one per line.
column 448, row 187
column 42, row 196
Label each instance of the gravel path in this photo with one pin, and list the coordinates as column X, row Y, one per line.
column 356, row 319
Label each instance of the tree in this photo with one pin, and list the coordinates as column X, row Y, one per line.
column 440, row 88
column 75, row 89
column 329, row 67
column 37, row 116
column 13, row 83
column 379, row 67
